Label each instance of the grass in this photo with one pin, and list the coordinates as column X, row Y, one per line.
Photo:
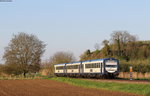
column 142, row 79
column 141, row 89
column 134, row 78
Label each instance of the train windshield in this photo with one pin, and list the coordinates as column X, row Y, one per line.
column 111, row 63
column 112, row 66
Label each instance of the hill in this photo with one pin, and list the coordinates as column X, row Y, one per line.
column 126, row 48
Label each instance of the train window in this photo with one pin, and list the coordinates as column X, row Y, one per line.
column 98, row 65
column 87, row 65
column 59, row 67
column 93, row 65
column 73, row 67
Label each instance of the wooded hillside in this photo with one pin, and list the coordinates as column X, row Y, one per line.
column 125, row 47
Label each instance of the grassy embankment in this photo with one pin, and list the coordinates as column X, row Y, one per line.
column 141, row 89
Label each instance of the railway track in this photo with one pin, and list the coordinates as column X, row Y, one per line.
column 120, row 81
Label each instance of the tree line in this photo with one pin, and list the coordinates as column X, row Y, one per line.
column 23, row 54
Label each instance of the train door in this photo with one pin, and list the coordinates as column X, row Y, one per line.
column 101, row 68
column 65, row 71
column 104, row 70
column 81, row 68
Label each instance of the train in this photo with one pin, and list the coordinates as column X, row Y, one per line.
column 97, row 68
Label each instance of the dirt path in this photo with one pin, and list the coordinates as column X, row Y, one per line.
column 49, row 88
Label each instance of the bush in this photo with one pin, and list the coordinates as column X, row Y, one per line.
column 138, row 66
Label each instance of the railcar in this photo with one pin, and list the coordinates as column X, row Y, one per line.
column 59, row 69
column 99, row 68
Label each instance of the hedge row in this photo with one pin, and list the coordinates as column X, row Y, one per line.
column 141, row 66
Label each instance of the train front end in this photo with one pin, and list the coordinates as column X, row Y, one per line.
column 112, row 67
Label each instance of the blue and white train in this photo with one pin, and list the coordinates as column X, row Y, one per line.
column 99, row 68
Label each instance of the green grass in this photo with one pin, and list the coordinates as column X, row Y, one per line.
column 141, row 89
column 134, row 78
column 142, row 79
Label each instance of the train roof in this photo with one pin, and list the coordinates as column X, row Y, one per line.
column 99, row 59
column 88, row 61
column 74, row 62
column 61, row 64
column 68, row 63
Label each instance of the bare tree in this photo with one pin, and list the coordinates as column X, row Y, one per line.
column 62, row 57
column 24, row 52
column 121, row 38
column 97, row 46
column 47, row 67
column 57, row 58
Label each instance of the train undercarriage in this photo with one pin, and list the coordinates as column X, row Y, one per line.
column 89, row 75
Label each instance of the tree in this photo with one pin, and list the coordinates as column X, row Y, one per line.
column 47, row 67
column 23, row 54
column 57, row 58
column 62, row 57
column 1, row 68
column 85, row 55
column 97, row 46
column 121, row 39
column 105, row 42
column 106, row 48
column 116, row 38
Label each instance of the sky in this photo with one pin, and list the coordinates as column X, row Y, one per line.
column 73, row 25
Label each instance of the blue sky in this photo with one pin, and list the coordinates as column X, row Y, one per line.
column 73, row 25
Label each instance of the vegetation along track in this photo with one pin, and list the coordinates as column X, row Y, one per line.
column 121, row 81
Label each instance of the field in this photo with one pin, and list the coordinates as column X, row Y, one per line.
column 41, row 87
column 135, row 87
